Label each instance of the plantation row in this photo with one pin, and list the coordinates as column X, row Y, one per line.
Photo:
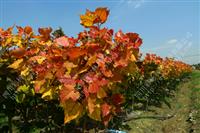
column 59, row 83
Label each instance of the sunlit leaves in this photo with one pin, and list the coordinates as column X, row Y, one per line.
column 65, row 41
column 75, row 52
column 88, row 19
column 25, row 72
column 98, row 16
column 16, row 64
column 102, row 14
column 83, row 72
column 167, row 67
column 50, row 93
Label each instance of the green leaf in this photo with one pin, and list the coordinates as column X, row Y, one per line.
column 20, row 97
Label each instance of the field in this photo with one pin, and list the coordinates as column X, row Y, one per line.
column 183, row 117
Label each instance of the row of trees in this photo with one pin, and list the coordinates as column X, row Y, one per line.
column 55, row 83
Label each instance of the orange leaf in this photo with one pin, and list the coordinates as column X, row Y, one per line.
column 91, row 60
column 75, row 52
column 45, row 33
column 91, row 104
column 28, row 30
column 38, row 84
column 69, row 92
column 134, row 38
column 18, row 53
column 102, row 14
column 95, row 85
column 106, row 72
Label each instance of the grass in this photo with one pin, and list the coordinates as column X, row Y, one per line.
column 185, row 106
column 195, row 106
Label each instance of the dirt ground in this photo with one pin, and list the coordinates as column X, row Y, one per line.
column 183, row 117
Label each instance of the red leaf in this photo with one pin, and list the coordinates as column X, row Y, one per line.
column 93, row 87
column 106, row 119
column 120, row 37
column 86, row 93
column 134, row 38
column 105, row 108
column 117, row 99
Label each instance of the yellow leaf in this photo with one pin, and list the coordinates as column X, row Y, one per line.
column 38, row 85
column 101, row 93
column 91, row 104
column 94, row 108
column 48, row 94
column 23, row 88
column 69, row 66
column 72, row 110
column 91, row 60
column 8, row 41
column 96, row 114
column 132, row 58
column 16, row 64
column 17, row 41
column 40, row 59
column 88, row 19
column 26, row 90
column 25, row 72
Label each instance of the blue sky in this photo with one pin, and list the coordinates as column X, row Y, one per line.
column 167, row 27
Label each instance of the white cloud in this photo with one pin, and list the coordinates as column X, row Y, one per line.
column 132, row 3
column 172, row 41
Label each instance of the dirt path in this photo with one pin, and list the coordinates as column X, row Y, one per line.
column 185, row 111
